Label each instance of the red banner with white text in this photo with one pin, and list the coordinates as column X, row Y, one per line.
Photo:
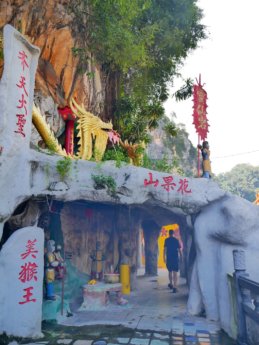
column 200, row 120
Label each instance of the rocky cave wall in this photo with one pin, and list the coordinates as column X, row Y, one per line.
column 84, row 224
column 78, row 225
column 52, row 26
column 117, row 229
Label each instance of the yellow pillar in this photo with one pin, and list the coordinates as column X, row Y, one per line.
column 99, row 262
column 125, row 279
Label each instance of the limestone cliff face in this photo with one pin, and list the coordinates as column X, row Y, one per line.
column 51, row 25
column 177, row 148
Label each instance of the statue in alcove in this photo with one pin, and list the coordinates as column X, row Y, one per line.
column 60, row 269
column 97, row 267
column 55, row 271
column 50, row 264
column 54, row 268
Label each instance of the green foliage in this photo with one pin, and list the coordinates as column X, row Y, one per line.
column 82, row 54
column 102, row 181
column 134, row 118
column 171, row 129
column 141, row 33
column 185, row 91
column 90, row 75
column 64, row 167
column 141, row 43
column 242, row 180
column 51, row 148
column 116, row 37
column 118, row 154
column 175, row 151
column 163, row 165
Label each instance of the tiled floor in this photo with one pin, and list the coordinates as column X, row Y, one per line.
column 152, row 306
column 154, row 316
column 140, row 338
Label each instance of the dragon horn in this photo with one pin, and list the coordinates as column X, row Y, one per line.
column 72, row 106
column 81, row 109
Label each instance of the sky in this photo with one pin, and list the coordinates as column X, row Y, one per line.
column 228, row 61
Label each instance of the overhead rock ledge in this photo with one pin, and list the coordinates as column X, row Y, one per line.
column 130, row 185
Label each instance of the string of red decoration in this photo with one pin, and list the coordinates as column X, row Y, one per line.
column 200, row 120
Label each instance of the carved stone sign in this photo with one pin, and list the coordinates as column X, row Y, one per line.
column 16, row 91
column 16, row 99
column 21, row 272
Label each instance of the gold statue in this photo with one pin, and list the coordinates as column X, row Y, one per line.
column 133, row 152
column 45, row 132
column 91, row 128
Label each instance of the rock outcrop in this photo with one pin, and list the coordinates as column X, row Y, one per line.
column 177, row 151
column 65, row 69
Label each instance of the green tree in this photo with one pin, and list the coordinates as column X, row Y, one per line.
column 143, row 43
column 134, row 118
column 242, row 180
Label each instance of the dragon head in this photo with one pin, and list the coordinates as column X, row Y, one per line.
column 81, row 112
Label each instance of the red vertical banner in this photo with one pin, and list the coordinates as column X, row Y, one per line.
column 199, row 155
column 200, row 120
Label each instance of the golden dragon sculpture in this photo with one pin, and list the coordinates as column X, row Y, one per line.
column 91, row 133
column 45, row 132
column 90, row 130
column 134, row 151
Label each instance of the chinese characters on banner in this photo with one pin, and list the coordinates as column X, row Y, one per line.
column 200, row 120
column 22, row 100
column 28, row 272
column 168, row 183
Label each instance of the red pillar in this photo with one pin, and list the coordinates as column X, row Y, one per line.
column 69, row 117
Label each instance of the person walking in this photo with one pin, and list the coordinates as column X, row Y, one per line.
column 171, row 258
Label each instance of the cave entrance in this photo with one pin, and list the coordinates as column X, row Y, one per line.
column 119, row 231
